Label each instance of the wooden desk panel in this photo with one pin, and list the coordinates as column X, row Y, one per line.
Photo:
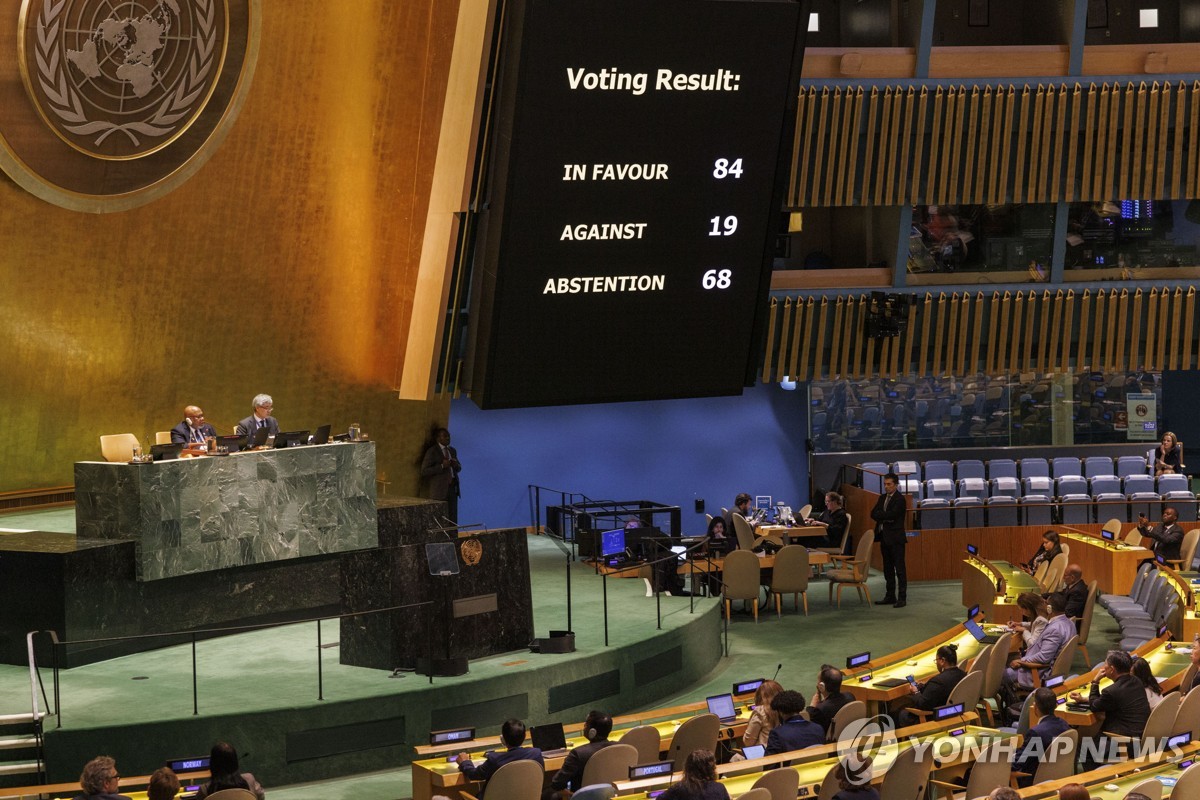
column 1113, row 564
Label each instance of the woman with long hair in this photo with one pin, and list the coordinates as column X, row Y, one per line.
column 1049, row 549
column 1168, row 456
column 762, row 720
column 1035, row 614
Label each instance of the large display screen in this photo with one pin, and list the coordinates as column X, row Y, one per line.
column 634, row 191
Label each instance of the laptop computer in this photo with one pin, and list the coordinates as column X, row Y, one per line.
column 166, row 452
column 722, row 706
column 891, row 683
column 549, row 738
column 978, row 632
column 754, row 751
column 322, row 435
column 259, row 438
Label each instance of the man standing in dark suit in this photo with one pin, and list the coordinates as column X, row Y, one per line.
column 193, row 429
column 889, row 513
column 512, row 732
column 1167, row 536
column 261, row 418
column 793, row 732
column 440, row 468
column 596, row 729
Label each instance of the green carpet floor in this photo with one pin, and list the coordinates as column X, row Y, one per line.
column 231, row 668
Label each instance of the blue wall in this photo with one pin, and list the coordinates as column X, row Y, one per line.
column 668, row 451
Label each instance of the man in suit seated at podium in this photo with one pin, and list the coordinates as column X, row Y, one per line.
column 596, row 729
column 261, row 418
column 512, row 733
column 193, row 429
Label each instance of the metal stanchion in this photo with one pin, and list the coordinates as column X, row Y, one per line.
column 320, row 675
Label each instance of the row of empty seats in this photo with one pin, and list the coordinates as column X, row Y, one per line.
column 947, row 489
column 1152, row 602
column 1060, row 467
column 975, row 512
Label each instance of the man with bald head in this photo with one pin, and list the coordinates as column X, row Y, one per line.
column 1075, row 590
column 193, row 429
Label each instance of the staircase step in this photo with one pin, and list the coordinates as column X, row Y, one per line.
column 19, row 768
column 17, row 719
column 17, row 742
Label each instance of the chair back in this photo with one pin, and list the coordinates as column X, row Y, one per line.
column 992, row 769
column 516, row 780
column 805, row 511
column 1134, row 537
column 1151, row 787
column 742, row 576
column 846, row 533
column 1089, row 609
column 982, row 660
column 993, row 675
column 599, row 791
column 907, row 777
column 698, row 733
column 967, row 691
column 1188, row 784
column 1113, row 526
column 1023, row 720
column 790, row 574
column 234, row 794
column 1187, row 550
column 162, row 437
column 1161, row 722
column 830, row 786
column 745, row 534
column 760, row 793
column 1054, row 573
column 862, row 556
column 1059, row 760
column 609, row 764
column 118, row 446
column 851, row 712
column 1062, row 663
column 647, row 740
column 1039, row 574
column 781, row 784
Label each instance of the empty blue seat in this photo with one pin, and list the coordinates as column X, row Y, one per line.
column 1184, row 503
column 872, row 476
column 1148, row 503
column 1106, row 484
column 1002, row 468
column 1034, row 468
column 913, row 488
column 1065, row 467
column 1005, row 487
column 1138, row 483
column 1108, row 505
column 1076, row 509
column 1131, row 465
column 974, row 487
column 1036, row 510
column 969, row 468
column 968, row 512
column 1173, row 483
column 909, row 469
column 1038, row 486
column 1095, row 466
column 935, row 513
column 1001, row 511
column 1066, row 486
column 939, row 488
column 938, row 470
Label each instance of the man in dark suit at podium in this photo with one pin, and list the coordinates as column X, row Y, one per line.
column 440, row 468
column 261, row 418
column 193, row 429
column 889, row 513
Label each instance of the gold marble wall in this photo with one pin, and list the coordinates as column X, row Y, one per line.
column 285, row 265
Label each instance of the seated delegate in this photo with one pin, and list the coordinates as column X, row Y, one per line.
column 512, row 733
column 934, row 692
column 596, row 729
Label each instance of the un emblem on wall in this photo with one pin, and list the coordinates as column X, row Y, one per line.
column 153, row 84
column 120, row 79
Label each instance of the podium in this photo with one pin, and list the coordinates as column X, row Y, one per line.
column 484, row 609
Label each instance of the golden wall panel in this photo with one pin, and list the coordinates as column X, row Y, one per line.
column 285, row 265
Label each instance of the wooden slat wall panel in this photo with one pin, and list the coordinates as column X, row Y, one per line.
column 1036, row 331
column 1027, row 143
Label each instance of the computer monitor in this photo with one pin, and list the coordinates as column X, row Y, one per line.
column 612, row 542
column 722, row 706
column 1107, row 535
column 973, row 612
column 290, row 439
column 322, row 435
column 972, row 550
column 762, row 501
column 166, row 452
column 232, row 443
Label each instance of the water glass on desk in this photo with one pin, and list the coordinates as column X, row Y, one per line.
column 355, row 431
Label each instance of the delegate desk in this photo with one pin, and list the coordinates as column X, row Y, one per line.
column 952, row 746
column 917, row 661
column 1168, row 661
column 704, row 564
column 1114, row 781
column 200, row 514
column 1113, row 564
column 776, row 534
column 435, row 775
column 994, row 586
